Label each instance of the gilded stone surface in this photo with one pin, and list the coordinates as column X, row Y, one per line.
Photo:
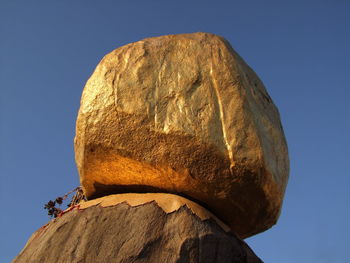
column 184, row 114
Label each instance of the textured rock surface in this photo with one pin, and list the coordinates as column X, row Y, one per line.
column 144, row 233
column 184, row 114
column 168, row 202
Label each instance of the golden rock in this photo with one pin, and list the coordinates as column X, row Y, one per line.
column 184, row 114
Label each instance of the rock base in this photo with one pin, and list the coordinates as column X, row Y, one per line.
column 126, row 233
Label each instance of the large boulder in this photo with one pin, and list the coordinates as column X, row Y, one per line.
column 112, row 231
column 184, row 114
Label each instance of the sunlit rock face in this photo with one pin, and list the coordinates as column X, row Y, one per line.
column 184, row 114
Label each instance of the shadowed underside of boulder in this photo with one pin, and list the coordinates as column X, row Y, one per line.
column 142, row 233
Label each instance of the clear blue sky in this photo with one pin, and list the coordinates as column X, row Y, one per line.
column 300, row 49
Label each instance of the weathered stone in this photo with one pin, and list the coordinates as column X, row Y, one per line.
column 168, row 202
column 118, row 232
column 184, row 114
